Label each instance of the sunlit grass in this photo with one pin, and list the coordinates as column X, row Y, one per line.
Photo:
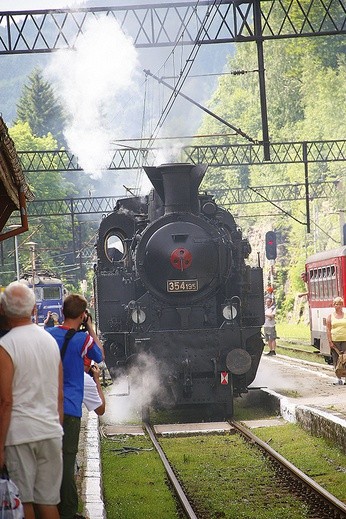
column 134, row 484
column 293, row 331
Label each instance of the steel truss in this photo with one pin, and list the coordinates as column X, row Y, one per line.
column 163, row 25
column 225, row 197
column 219, row 155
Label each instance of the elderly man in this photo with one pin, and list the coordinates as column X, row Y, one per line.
column 31, row 405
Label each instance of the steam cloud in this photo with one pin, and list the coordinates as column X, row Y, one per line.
column 145, row 387
column 94, row 83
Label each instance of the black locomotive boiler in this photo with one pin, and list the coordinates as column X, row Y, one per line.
column 171, row 282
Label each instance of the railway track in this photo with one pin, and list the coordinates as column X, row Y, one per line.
column 320, row 503
column 300, row 348
column 178, row 489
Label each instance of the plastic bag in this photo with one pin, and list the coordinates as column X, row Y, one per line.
column 340, row 368
column 10, row 505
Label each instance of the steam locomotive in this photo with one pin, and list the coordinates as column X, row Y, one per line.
column 171, row 285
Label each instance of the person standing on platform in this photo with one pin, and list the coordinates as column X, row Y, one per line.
column 94, row 399
column 269, row 326
column 336, row 332
column 74, row 346
column 269, row 293
column 31, row 405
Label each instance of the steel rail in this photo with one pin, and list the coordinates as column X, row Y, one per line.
column 334, row 503
column 172, row 477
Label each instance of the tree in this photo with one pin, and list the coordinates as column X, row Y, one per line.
column 305, row 94
column 40, row 107
column 53, row 235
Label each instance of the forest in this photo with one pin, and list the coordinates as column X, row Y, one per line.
column 306, row 96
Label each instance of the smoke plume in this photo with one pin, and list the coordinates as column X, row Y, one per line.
column 94, row 82
column 139, row 389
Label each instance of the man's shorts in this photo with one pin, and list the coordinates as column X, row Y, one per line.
column 36, row 469
column 269, row 333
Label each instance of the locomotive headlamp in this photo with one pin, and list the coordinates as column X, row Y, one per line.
column 229, row 312
column 138, row 316
column 209, row 208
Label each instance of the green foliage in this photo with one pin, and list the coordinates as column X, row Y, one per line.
column 293, row 331
column 39, row 107
column 134, row 484
column 227, row 477
column 52, row 235
column 305, row 80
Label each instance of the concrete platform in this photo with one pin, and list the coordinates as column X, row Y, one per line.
column 184, row 429
column 269, row 422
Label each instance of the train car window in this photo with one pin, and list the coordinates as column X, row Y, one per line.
column 114, row 246
column 333, row 276
column 38, row 293
column 51, row 293
column 312, row 284
column 317, row 293
column 315, row 284
column 324, row 283
column 329, row 284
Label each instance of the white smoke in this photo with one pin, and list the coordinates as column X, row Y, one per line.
column 168, row 154
column 129, row 394
column 94, row 82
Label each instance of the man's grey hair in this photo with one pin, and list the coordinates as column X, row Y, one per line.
column 17, row 300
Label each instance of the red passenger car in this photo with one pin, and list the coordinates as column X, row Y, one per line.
column 326, row 279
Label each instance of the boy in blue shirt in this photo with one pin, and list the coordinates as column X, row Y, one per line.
column 79, row 344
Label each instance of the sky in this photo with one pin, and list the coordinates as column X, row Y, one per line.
column 27, row 5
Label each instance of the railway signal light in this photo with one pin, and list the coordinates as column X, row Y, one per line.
column 271, row 252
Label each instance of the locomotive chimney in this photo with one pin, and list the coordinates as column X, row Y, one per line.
column 177, row 185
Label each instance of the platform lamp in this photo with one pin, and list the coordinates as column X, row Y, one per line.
column 16, row 226
column 32, row 246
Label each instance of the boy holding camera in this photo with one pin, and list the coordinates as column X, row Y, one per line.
column 74, row 346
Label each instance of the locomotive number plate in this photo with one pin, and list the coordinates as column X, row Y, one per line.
column 189, row 285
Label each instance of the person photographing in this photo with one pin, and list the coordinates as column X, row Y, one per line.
column 74, row 346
